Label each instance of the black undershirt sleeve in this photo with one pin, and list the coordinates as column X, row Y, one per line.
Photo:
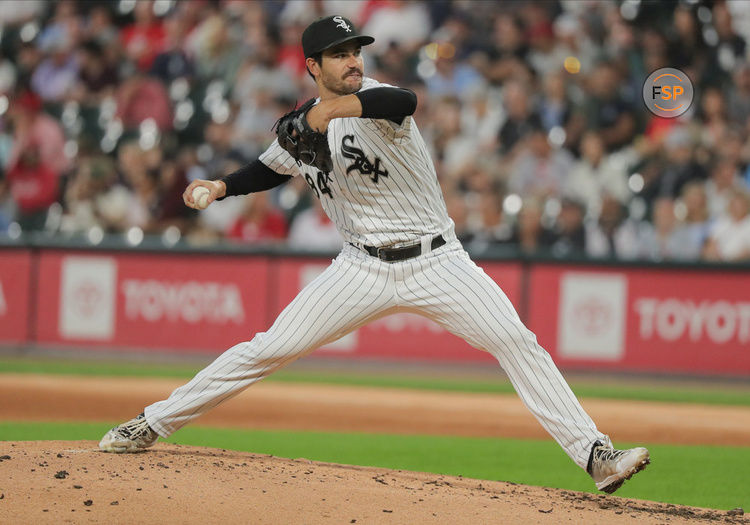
column 253, row 178
column 390, row 103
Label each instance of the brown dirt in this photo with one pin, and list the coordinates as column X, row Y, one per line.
column 178, row 484
column 273, row 405
column 72, row 482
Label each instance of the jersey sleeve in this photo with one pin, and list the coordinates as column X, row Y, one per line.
column 397, row 133
column 279, row 160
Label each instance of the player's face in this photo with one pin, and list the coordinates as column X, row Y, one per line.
column 342, row 69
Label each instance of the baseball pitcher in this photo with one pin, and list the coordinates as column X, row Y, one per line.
column 360, row 151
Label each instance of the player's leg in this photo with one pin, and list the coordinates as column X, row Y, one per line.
column 449, row 288
column 346, row 295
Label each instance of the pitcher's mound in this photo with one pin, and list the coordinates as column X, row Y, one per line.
column 72, row 482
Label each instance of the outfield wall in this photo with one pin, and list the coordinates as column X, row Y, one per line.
column 607, row 316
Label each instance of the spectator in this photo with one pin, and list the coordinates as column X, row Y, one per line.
column 97, row 79
column 220, row 150
column 569, row 233
column 140, row 98
column 542, row 169
column 216, row 55
column 529, row 234
column 606, row 110
column 547, row 54
column 680, row 167
column 713, row 117
column 555, row 109
column 492, row 230
column 696, row 223
column 522, row 119
column 172, row 61
column 731, row 47
column 452, row 77
column 84, row 193
column 8, row 74
column 100, row 28
column 686, row 46
column 614, row 235
column 507, row 50
column 313, row 230
column 33, row 185
column 32, row 126
column 56, row 75
column 597, row 174
column 221, row 215
column 406, row 23
column 259, row 222
column 171, row 182
column 730, row 235
column 458, row 211
column 499, row 65
column 723, row 181
column 145, row 37
column 739, row 95
column 481, row 116
column 666, row 239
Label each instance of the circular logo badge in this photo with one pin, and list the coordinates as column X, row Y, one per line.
column 668, row 92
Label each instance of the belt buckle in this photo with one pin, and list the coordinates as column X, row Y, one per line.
column 382, row 255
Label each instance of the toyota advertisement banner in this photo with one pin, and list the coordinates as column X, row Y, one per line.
column 165, row 302
column 661, row 320
column 15, row 300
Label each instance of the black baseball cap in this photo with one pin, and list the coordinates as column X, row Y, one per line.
column 331, row 31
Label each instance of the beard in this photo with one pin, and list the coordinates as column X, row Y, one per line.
column 342, row 86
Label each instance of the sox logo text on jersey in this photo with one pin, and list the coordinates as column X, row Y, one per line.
column 361, row 163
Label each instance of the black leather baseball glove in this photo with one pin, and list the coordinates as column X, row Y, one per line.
column 303, row 142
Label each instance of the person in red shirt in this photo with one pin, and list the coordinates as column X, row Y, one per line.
column 142, row 97
column 145, row 38
column 33, row 186
column 259, row 222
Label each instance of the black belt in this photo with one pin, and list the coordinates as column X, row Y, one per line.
column 402, row 253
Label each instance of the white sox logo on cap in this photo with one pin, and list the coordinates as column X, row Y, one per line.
column 342, row 24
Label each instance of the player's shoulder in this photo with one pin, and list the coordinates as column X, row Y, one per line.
column 369, row 83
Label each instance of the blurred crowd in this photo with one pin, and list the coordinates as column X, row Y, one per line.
column 532, row 111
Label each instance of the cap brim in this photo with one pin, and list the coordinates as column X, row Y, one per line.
column 363, row 40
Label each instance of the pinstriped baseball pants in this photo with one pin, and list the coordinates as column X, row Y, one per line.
column 445, row 286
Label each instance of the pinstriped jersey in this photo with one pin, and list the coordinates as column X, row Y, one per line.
column 383, row 189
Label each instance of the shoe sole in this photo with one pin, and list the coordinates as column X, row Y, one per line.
column 125, row 448
column 609, row 489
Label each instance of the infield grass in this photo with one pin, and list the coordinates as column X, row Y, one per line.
column 729, row 394
column 704, row 476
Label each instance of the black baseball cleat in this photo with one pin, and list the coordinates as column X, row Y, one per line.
column 610, row 468
column 132, row 436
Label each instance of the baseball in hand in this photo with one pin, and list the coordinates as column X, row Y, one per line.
column 200, row 197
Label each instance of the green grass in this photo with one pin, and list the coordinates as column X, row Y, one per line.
column 714, row 477
column 664, row 392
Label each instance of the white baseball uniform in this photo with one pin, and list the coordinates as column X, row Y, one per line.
column 383, row 191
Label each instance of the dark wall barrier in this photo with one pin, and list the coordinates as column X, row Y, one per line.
column 607, row 316
column 15, row 296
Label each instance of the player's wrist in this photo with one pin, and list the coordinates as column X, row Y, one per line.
column 221, row 188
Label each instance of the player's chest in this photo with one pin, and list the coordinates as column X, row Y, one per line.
column 362, row 166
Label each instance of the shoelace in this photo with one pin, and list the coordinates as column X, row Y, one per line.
column 135, row 428
column 608, row 454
